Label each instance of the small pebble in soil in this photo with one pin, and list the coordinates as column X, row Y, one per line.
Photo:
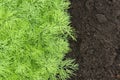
column 101, row 18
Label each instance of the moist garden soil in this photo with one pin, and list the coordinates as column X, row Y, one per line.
column 97, row 49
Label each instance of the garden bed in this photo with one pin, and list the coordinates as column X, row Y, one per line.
column 97, row 49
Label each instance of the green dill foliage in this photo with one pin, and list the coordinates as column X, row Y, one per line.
column 34, row 40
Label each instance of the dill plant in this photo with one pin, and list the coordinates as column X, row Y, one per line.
column 34, row 40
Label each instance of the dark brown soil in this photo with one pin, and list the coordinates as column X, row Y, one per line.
column 97, row 49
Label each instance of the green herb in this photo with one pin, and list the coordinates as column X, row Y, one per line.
column 34, row 40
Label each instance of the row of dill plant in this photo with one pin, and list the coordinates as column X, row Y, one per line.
column 34, row 40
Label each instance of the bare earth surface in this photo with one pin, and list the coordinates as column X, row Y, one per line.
column 97, row 50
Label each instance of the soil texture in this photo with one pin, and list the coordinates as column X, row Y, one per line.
column 97, row 49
